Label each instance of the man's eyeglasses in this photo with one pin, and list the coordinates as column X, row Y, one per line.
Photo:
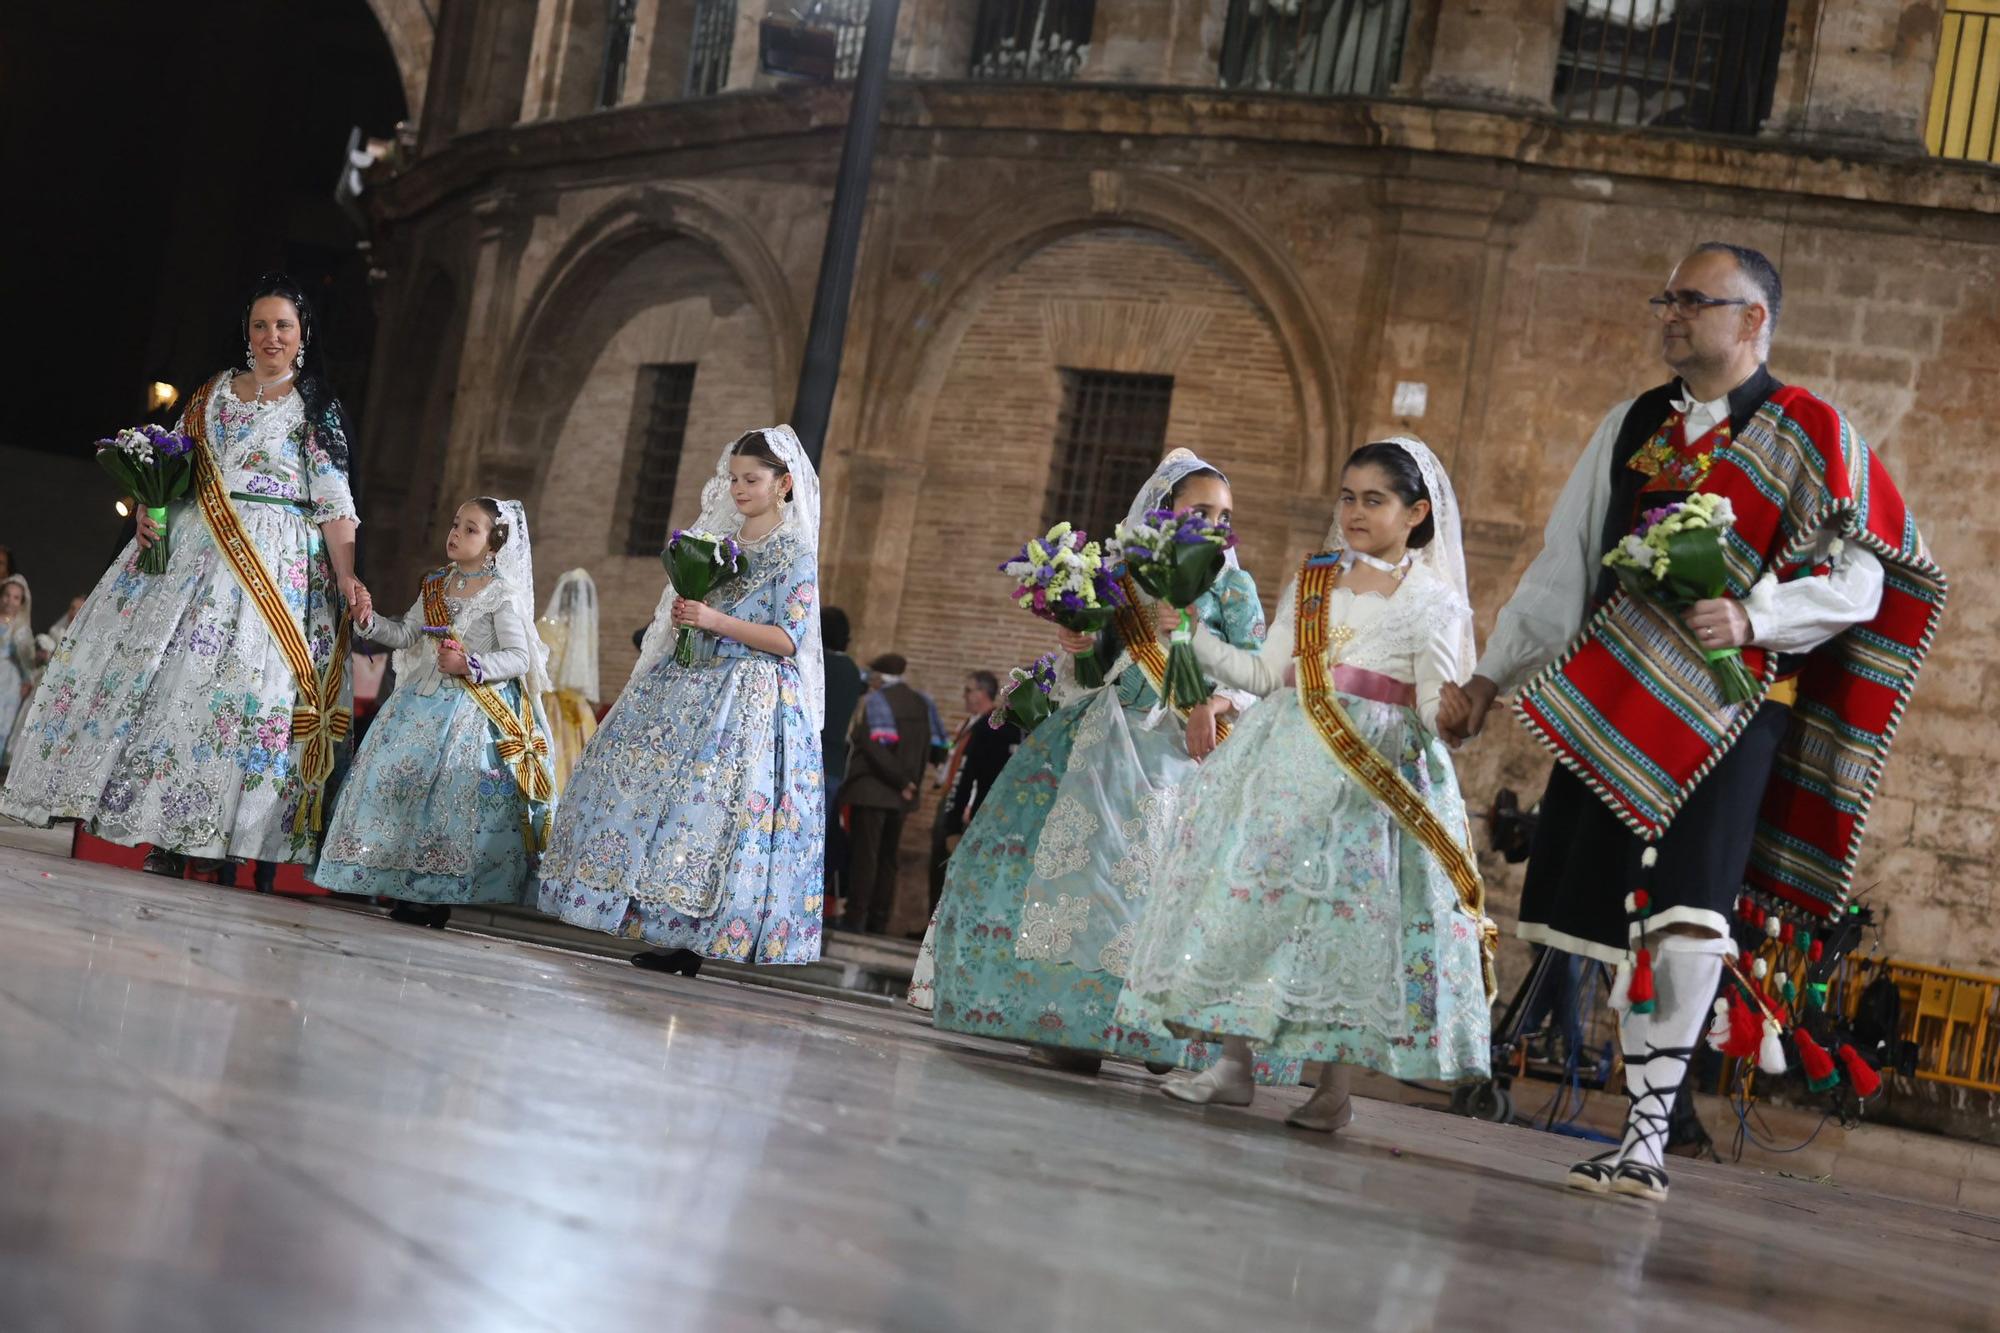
column 1688, row 304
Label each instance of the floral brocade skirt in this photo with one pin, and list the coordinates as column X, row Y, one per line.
column 429, row 813
column 696, row 817
column 1043, row 898
column 165, row 716
column 1294, row 911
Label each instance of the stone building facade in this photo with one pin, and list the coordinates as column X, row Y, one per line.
column 1298, row 260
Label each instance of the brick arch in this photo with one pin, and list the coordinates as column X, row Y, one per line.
column 934, row 321
column 412, row 33
column 532, row 406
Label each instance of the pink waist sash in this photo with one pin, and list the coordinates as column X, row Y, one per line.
column 1373, row 685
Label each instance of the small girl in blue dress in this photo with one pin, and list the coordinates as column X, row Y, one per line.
column 696, row 817
column 449, row 797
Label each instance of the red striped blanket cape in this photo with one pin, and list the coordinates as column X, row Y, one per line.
column 1634, row 711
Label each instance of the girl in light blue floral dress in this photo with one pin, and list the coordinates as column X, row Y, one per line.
column 1042, row 899
column 1294, row 915
column 449, row 797
column 696, row 818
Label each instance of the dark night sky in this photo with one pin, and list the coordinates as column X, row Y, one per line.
column 157, row 155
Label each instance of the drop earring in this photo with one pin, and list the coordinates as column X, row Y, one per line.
column 300, row 359
column 249, row 357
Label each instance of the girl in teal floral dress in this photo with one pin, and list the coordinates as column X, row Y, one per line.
column 1041, row 901
column 696, row 817
column 1295, row 916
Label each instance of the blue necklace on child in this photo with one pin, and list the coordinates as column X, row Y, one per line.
column 460, row 578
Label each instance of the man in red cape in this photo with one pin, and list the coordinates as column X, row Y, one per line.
column 1668, row 801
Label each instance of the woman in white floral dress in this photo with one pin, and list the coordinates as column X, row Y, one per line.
column 166, row 716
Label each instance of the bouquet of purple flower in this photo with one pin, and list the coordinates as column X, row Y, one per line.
column 1676, row 559
column 1024, row 699
column 699, row 563
column 1177, row 558
column 156, row 465
column 1071, row 581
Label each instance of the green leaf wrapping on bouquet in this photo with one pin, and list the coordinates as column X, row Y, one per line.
column 1190, row 569
column 697, row 570
column 1696, row 568
column 1027, row 708
column 154, row 488
column 1088, row 673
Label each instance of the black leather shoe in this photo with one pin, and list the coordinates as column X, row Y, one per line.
column 685, row 962
column 162, row 862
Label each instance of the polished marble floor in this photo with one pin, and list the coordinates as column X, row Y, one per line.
column 223, row 1112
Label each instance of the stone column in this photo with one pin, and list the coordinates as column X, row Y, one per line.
column 1193, row 43
column 743, row 56
column 501, row 233
column 1498, row 51
column 1450, row 243
column 662, row 43
column 1857, row 74
column 566, row 60
column 934, row 39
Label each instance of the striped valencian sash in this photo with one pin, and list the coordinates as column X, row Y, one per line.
column 1632, row 709
column 319, row 720
column 522, row 747
column 1142, row 642
column 1362, row 762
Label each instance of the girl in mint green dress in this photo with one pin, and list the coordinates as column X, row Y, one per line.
column 1042, row 899
column 1294, row 917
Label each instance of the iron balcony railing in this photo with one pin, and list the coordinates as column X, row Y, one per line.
column 1687, row 64
column 1964, row 119
column 1037, row 41
column 1317, row 47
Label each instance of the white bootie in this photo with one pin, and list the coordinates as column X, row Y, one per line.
column 1227, row 1082
column 1329, row 1108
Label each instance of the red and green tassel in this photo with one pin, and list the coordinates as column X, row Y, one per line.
column 1813, row 1059
column 1861, row 1076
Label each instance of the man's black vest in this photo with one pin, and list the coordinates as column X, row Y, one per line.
column 1649, row 412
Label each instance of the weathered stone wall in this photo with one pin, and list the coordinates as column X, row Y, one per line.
column 1290, row 262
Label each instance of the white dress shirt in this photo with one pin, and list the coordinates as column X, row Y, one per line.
column 1548, row 609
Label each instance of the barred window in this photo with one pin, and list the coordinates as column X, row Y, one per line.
column 1111, row 434
column 617, row 50
column 708, row 52
column 653, row 456
column 847, row 20
column 1708, row 65
column 1041, row 41
column 1350, row 48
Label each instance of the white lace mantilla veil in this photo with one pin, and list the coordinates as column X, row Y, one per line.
column 27, row 604
column 573, row 605
column 517, row 566
column 719, row 514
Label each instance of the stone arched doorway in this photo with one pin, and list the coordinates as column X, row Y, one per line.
column 659, row 284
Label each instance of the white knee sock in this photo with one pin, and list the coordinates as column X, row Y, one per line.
column 1658, row 1045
